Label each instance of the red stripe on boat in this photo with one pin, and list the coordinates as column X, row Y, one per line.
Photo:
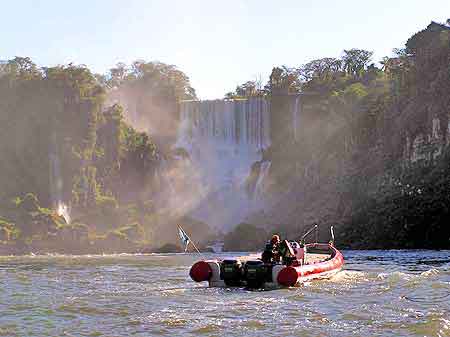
column 289, row 276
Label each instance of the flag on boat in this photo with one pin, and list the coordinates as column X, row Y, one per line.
column 183, row 237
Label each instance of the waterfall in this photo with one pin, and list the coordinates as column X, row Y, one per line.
column 295, row 116
column 64, row 211
column 263, row 173
column 56, row 181
column 223, row 139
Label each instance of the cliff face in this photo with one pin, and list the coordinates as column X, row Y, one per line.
column 371, row 156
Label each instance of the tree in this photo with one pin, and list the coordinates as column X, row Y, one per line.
column 284, row 79
column 247, row 89
column 149, row 93
column 118, row 75
column 355, row 61
column 22, row 67
column 321, row 68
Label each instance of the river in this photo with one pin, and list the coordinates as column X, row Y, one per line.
column 379, row 293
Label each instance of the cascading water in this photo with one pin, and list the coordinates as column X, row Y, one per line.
column 295, row 116
column 223, row 139
column 263, row 173
column 56, row 181
column 64, row 211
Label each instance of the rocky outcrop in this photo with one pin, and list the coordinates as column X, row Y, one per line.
column 245, row 237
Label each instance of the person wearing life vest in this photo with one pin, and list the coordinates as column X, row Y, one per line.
column 301, row 253
column 272, row 251
column 288, row 252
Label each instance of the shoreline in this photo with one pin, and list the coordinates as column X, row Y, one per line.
column 106, row 254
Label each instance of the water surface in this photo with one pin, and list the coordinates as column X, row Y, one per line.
column 379, row 293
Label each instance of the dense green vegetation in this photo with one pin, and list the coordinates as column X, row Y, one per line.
column 371, row 152
column 64, row 142
column 413, row 214
column 150, row 92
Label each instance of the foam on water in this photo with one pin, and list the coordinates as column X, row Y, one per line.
column 430, row 272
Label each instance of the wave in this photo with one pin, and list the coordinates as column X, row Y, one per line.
column 349, row 276
column 430, row 272
column 404, row 276
column 428, row 299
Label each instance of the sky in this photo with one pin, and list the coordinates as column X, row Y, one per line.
column 218, row 44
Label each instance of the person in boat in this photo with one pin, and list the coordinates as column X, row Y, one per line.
column 271, row 253
column 292, row 252
column 301, row 253
column 288, row 252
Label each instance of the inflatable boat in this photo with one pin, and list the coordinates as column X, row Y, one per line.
column 318, row 260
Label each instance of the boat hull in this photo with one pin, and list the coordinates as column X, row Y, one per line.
column 292, row 275
column 276, row 275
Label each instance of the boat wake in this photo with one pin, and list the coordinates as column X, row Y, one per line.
column 349, row 276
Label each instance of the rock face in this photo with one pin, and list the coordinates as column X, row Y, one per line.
column 167, row 248
column 427, row 145
column 74, row 236
column 245, row 237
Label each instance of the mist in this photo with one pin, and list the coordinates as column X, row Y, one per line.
column 114, row 162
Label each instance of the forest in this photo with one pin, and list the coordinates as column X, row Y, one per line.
column 372, row 157
column 65, row 144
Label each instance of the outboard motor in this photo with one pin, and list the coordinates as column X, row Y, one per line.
column 256, row 273
column 231, row 272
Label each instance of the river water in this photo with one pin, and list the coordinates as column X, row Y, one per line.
column 379, row 293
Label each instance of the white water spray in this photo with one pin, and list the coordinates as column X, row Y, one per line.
column 295, row 116
column 223, row 139
column 56, row 181
column 262, row 177
column 63, row 211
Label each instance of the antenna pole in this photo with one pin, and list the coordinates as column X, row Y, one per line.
column 193, row 244
column 317, row 233
column 309, row 232
column 190, row 241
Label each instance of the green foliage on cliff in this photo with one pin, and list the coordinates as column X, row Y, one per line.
column 48, row 129
column 149, row 92
column 163, row 79
column 64, row 139
column 413, row 211
column 415, row 214
column 364, row 130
